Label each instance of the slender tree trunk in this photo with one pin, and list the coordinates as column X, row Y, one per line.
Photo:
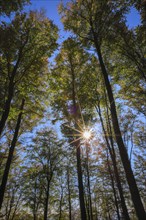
column 78, row 150
column 87, row 203
column 46, row 206
column 96, row 214
column 7, row 105
column 119, row 185
column 88, row 182
column 11, row 205
column 123, row 152
column 114, row 190
column 69, row 194
column 34, row 204
column 6, row 109
column 10, row 156
column 132, row 145
column 60, row 206
column 109, row 217
column 95, row 206
column 113, row 157
column 34, row 216
column 46, row 201
column 16, row 206
column 80, row 182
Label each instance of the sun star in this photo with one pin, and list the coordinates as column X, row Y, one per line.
column 87, row 135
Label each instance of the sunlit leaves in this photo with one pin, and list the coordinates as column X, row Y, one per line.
column 76, row 70
column 27, row 43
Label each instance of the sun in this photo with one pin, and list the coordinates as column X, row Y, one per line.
column 83, row 133
column 87, row 134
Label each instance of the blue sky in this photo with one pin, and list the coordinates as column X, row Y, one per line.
column 50, row 6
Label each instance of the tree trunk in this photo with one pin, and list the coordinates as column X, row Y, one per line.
column 16, row 206
column 10, row 156
column 114, row 190
column 122, row 149
column 6, row 109
column 88, row 182
column 7, row 105
column 69, row 193
column 35, row 202
column 87, row 202
column 78, row 153
column 34, row 216
column 113, row 157
column 60, row 206
column 46, row 201
column 80, row 182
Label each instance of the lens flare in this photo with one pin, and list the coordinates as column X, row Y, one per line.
column 87, row 135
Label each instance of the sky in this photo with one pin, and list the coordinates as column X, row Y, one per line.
column 133, row 19
column 50, row 7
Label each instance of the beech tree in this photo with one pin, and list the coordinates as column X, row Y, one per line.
column 26, row 44
column 45, row 160
column 8, row 6
column 107, row 132
column 93, row 22
column 24, row 54
column 95, row 82
column 69, row 78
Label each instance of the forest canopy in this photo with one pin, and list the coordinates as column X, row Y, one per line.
column 72, row 111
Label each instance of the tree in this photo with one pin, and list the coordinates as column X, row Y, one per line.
column 26, row 44
column 8, row 6
column 24, row 61
column 44, row 156
column 69, row 78
column 13, row 194
column 33, row 190
column 139, row 156
column 130, row 46
column 94, row 26
column 110, row 147
column 10, row 155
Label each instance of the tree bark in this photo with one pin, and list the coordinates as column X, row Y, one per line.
column 46, row 201
column 88, row 182
column 6, row 109
column 60, row 205
column 69, row 194
column 113, row 157
column 10, row 155
column 114, row 190
column 80, row 182
column 78, row 150
column 7, row 105
column 122, row 149
column 16, row 206
column 35, row 202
